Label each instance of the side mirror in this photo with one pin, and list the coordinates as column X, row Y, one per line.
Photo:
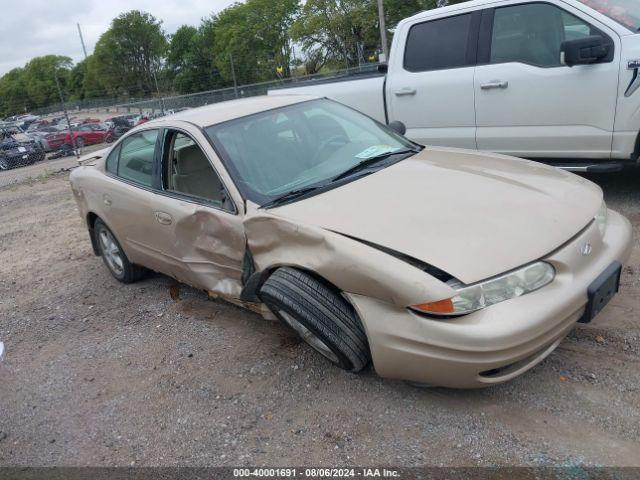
column 584, row 51
column 398, row 127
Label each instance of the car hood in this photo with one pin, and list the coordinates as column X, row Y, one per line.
column 470, row 214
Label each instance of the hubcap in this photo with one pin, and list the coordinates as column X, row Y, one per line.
column 308, row 336
column 111, row 252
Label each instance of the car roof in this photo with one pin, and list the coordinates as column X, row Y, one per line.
column 225, row 111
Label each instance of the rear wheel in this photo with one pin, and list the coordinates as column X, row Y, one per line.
column 114, row 257
column 319, row 315
column 4, row 165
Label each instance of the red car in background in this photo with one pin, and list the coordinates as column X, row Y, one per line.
column 83, row 135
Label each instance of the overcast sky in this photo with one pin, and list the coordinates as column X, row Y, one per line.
column 30, row 28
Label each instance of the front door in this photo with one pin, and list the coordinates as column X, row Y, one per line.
column 431, row 88
column 527, row 102
column 200, row 232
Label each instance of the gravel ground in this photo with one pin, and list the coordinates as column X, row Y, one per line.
column 102, row 374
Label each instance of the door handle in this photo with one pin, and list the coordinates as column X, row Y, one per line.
column 494, row 84
column 405, row 91
column 164, row 218
column 107, row 200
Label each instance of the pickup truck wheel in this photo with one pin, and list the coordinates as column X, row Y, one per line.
column 114, row 257
column 320, row 315
column 4, row 165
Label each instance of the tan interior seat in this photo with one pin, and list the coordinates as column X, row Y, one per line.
column 195, row 176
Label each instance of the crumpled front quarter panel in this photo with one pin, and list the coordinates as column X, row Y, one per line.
column 348, row 264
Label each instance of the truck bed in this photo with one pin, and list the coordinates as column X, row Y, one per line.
column 364, row 92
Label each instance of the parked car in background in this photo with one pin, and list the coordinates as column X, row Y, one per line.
column 82, row 135
column 40, row 136
column 557, row 80
column 15, row 154
column 368, row 245
column 2, row 351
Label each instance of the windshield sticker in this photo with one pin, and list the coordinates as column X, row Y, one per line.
column 376, row 150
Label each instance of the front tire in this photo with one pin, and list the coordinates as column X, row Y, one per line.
column 114, row 257
column 320, row 315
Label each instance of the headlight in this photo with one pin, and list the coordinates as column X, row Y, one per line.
column 470, row 298
column 601, row 218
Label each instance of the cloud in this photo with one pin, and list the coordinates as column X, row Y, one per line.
column 41, row 27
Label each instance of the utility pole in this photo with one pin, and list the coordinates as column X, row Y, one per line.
column 383, row 32
column 66, row 115
column 233, row 73
column 155, row 79
column 84, row 49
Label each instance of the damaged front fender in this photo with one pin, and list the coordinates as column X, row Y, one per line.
column 351, row 266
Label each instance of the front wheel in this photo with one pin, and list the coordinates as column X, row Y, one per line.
column 319, row 315
column 114, row 257
column 4, row 165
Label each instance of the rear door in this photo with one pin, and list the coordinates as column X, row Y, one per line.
column 430, row 88
column 527, row 102
column 129, row 200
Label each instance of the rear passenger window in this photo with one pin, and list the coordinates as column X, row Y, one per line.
column 438, row 44
column 112, row 160
column 136, row 157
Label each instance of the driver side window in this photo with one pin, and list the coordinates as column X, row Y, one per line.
column 533, row 33
column 188, row 172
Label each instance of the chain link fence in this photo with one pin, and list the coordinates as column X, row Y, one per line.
column 174, row 102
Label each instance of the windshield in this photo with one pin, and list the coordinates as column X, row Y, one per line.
column 275, row 152
column 625, row 12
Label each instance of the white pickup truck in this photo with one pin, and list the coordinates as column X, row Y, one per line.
column 554, row 80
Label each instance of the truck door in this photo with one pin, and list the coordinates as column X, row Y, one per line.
column 430, row 86
column 528, row 103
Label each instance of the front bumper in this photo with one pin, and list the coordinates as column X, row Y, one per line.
column 498, row 343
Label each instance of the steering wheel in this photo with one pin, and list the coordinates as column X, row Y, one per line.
column 326, row 143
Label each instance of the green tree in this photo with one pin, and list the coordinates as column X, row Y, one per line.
column 75, row 86
column 190, row 65
column 40, row 79
column 347, row 32
column 256, row 35
column 129, row 54
column 13, row 93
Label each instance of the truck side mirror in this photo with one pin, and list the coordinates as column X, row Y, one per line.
column 398, row 127
column 584, row 51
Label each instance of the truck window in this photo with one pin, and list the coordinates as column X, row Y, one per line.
column 533, row 33
column 438, row 44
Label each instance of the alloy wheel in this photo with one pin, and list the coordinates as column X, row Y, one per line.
column 308, row 336
column 111, row 252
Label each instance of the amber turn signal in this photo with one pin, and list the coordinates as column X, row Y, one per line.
column 441, row 306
